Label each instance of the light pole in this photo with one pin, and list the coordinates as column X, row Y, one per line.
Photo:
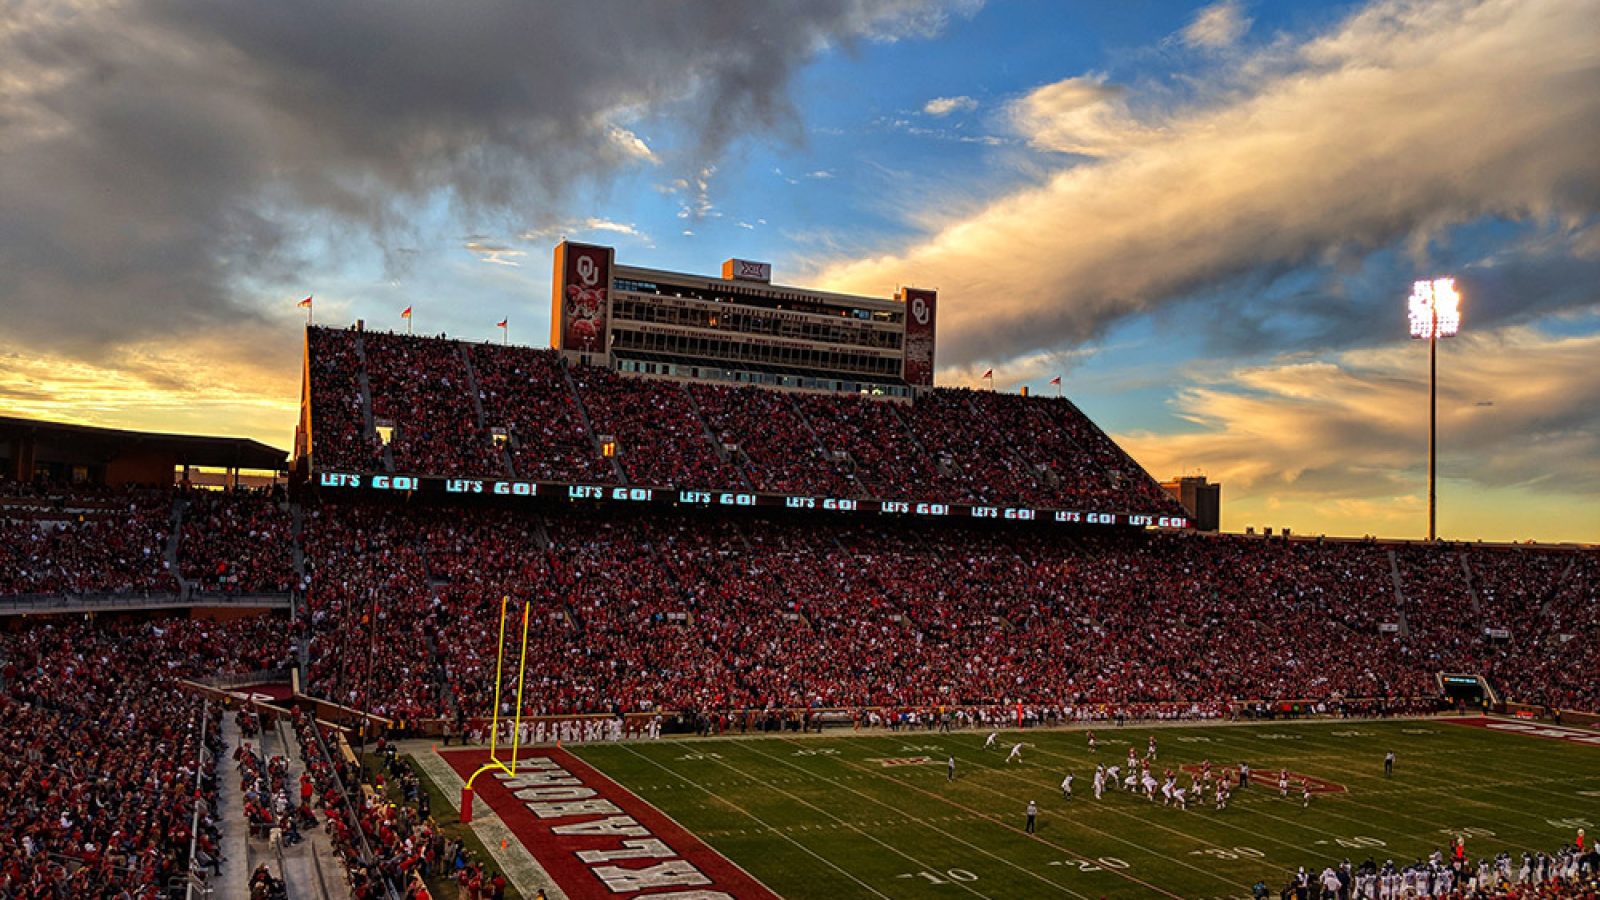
column 1434, row 312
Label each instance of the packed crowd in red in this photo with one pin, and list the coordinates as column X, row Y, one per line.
column 691, row 611
column 237, row 542
column 953, row 446
column 90, row 540
column 56, row 540
column 523, row 391
column 99, row 750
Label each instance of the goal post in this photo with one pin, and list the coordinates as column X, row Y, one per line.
column 495, row 762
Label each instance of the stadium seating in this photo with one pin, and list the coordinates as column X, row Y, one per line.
column 84, row 540
column 524, row 392
column 98, row 747
column 237, row 542
column 420, row 385
column 664, row 611
column 953, row 446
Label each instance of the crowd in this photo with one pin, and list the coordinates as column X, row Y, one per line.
column 93, row 540
column 80, row 539
column 421, row 387
column 693, row 611
column 340, row 436
column 524, row 392
column 237, row 542
column 100, row 751
column 954, row 446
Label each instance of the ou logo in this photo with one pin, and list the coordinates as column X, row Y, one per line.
column 919, row 310
column 588, row 271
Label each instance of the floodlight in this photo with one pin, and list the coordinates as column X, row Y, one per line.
column 1434, row 305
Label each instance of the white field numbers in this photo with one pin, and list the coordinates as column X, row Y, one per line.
column 820, row 751
column 692, row 757
column 1229, row 852
column 1098, row 864
column 948, row 876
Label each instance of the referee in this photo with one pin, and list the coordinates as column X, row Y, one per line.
column 1033, row 815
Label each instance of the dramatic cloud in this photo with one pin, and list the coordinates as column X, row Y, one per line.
column 944, row 106
column 1347, row 437
column 1216, row 26
column 1085, row 116
column 166, row 161
column 1407, row 118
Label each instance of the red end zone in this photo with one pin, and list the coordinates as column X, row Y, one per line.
column 596, row 838
column 1531, row 729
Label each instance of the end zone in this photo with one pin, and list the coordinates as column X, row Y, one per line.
column 1514, row 726
column 599, row 840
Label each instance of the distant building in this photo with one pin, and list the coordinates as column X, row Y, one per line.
column 738, row 327
column 1201, row 498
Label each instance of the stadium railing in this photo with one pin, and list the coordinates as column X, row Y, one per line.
column 194, row 823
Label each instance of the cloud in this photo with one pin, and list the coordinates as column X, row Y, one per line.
column 944, row 106
column 496, row 254
column 166, row 159
column 1517, row 408
column 1406, row 118
column 590, row 225
column 1346, row 439
column 1217, row 26
column 820, row 174
column 1082, row 115
column 631, row 144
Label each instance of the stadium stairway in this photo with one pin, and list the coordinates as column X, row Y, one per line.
column 588, row 423
column 366, row 401
column 477, row 407
column 1472, row 590
column 236, row 850
column 171, row 553
column 712, row 439
column 305, row 869
column 1399, row 594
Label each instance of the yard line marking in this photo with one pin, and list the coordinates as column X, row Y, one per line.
column 876, row 840
column 1151, row 822
column 758, row 820
column 926, row 822
column 1450, row 789
column 886, row 776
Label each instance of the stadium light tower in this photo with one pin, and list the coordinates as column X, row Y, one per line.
column 1434, row 312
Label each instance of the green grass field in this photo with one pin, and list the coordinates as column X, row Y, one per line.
column 824, row 817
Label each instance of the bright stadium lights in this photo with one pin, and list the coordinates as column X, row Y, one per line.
column 1435, row 305
column 1434, row 312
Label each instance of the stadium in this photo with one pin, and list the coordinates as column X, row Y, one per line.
column 719, row 595
column 753, row 449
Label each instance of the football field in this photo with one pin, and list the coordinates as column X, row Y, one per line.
column 852, row 816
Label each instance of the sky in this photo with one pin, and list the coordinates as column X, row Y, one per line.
column 1205, row 218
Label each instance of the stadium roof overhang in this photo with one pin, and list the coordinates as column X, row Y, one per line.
column 60, row 442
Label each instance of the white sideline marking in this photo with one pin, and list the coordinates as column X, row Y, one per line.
column 758, row 820
column 988, row 817
column 876, row 840
column 520, row 867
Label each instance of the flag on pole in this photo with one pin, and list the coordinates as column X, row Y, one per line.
column 989, row 374
column 405, row 313
column 1056, row 381
column 306, row 303
column 502, row 323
